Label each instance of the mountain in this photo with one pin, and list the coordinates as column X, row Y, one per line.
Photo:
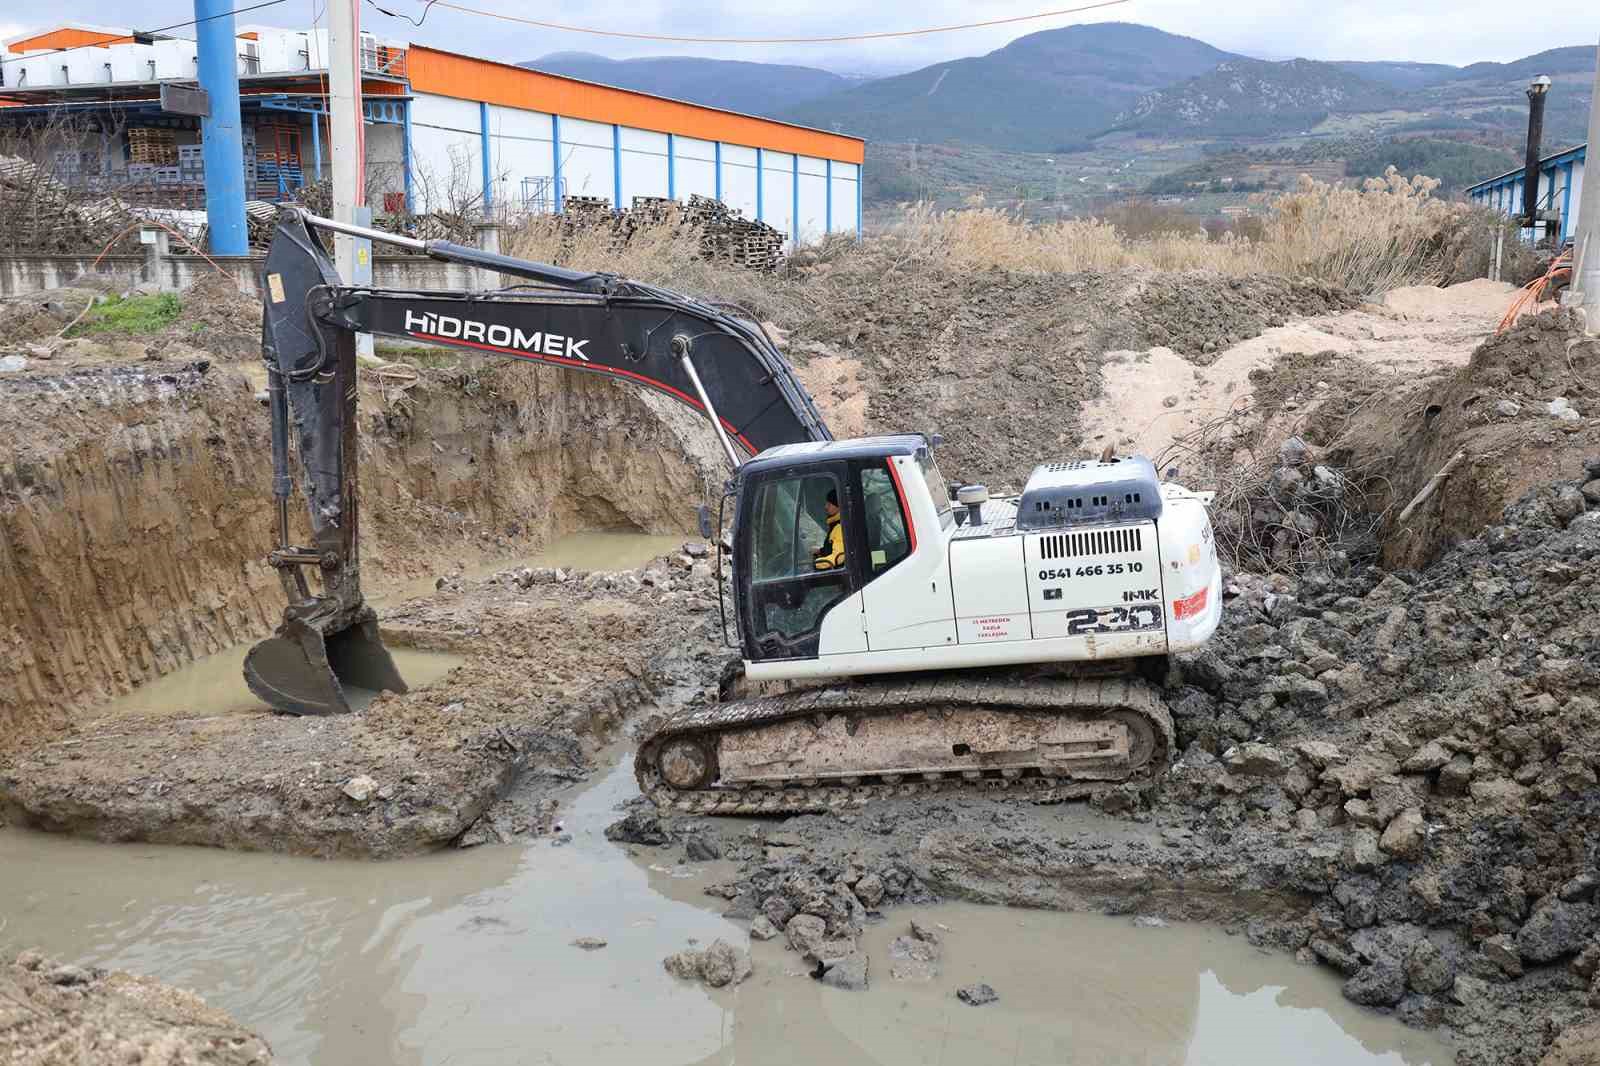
column 1252, row 97
column 754, row 88
column 1399, row 75
column 1038, row 93
column 1573, row 60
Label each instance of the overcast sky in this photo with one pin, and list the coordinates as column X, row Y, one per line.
column 1442, row 31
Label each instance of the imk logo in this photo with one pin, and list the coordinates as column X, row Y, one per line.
column 468, row 329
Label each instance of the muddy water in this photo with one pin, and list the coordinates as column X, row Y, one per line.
column 466, row 958
column 574, row 551
column 215, row 685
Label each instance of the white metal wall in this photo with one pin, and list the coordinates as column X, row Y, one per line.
column 597, row 158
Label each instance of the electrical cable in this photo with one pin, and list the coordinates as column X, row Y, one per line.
column 833, row 38
column 402, row 15
column 141, row 33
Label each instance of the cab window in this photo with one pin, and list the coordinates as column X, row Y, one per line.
column 884, row 519
column 798, row 573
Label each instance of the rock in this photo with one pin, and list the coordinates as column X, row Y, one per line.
column 923, row 931
column 1561, row 408
column 1405, row 836
column 1555, row 929
column 1580, row 889
column 909, row 947
column 1507, row 408
column 1341, row 959
column 589, row 943
column 778, row 911
column 1568, row 504
column 1502, row 951
column 761, row 928
column 1587, row 964
column 1591, row 492
column 1319, row 753
column 849, row 972
column 684, row 964
column 30, row 959
column 1362, row 852
column 360, row 788
column 1429, row 757
column 1499, row 791
column 1148, row 921
column 869, row 890
column 1360, row 812
column 1258, row 760
column 723, row 964
column 977, row 995
column 696, row 549
column 1359, row 901
column 1381, row 983
column 701, row 848
column 746, row 906
column 1456, row 775
column 1356, row 775
column 11, row 364
column 642, row 826
column 1293, row 452
column 69, row 976
column 1305, row 820
column 806, row 933
column 1428, row 970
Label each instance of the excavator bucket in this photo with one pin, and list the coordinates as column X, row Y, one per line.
column 301, row 670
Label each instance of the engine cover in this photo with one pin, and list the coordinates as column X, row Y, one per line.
column 1088, row 490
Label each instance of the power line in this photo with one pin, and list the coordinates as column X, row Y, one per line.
column 144, row 33
column 772, row 40
column 402, row 15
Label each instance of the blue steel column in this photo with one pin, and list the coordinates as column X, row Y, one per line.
column 222, row 140
column 1566, row 204
column 555, row 161
column 761, row 168
column 483, row 132
column 316, row 144
column 794, row 200
column 716, row 153
column 672, row 171
column 406, row 157
column 616, row 165
column 827, row 211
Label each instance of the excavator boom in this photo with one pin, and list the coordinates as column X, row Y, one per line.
column 719, row 363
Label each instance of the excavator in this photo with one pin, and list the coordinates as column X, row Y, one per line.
column 899, row 634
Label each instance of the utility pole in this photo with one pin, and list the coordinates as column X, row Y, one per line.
column 1586, row 236
column 352, row 255
column 222, row 146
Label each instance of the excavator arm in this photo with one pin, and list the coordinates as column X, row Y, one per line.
column 719, row 363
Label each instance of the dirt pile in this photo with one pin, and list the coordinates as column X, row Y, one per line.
column 52, row 1013
column 1003, row 363
column 1524, row 410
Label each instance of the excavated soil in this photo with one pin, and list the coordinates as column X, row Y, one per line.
column 1002, row 364
column 1500, row 409
column 52, row 1014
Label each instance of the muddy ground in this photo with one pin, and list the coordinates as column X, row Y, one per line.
column 1387, row 771
column 54, row 1013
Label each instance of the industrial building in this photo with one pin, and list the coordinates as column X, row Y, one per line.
column 442, row 131
column 1560, row 188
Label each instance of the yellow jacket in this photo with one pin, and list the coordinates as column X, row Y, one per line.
column 831, row 555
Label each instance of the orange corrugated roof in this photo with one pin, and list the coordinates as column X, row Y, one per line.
column 469, row 78
column 68, row 37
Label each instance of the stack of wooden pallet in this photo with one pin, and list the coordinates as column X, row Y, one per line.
column 156, row 147
column 40, row 214
column 726, row 235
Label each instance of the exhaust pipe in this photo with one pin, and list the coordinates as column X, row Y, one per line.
column 1537, row 91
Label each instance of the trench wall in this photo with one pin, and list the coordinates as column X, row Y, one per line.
column 135, row 511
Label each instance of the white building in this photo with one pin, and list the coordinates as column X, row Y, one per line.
column 441, row 129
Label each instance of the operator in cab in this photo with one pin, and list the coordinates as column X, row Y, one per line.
column 831, row 555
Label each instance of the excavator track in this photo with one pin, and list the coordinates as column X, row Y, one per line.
column 1089, row 735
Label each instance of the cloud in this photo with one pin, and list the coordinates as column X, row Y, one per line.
column 1442, row 31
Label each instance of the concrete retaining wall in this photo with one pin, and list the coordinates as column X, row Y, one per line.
column 32, row 273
